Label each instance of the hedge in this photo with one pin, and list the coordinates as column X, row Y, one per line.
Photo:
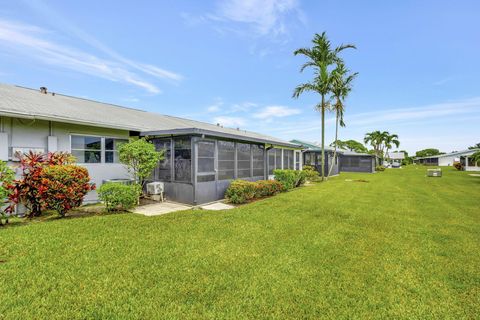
column 241, row 191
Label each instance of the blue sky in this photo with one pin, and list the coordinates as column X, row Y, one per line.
column 231, row 62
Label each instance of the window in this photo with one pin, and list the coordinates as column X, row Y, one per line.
column 309, row 159
column 297, row 160
column 87, row 149
column 226, row 160
column 163, row 171
column 278, row 159
column 243, row 160
column 111, row 149
column 206, row 161
column 258, row 160
column 183, row 160
column 271, row 161
column 288, row 159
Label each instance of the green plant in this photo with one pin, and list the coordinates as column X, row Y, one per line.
column 29, row 189
column 117, row 196
column 267, row 188
column 6, row 178
column 475, row 157
column 140, row 158
column 321, row 58
column 240, row 191
column 63, row 187
column 310, row 173
column 290, row 178
column 380, row 168
column 458, row 165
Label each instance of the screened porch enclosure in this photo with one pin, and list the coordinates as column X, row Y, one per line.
column 199, row 169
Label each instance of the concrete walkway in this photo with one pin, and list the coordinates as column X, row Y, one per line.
column 156, row 209
column 217, row 206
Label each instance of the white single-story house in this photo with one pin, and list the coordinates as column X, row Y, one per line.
column 201, row 158
column 450, row 158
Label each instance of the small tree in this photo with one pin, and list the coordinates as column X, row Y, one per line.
column 140, row 158
column 6, row 178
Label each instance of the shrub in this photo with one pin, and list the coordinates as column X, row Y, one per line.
column 117, row 196
column 290, row 178
column 241, row 191
column 63, row 187
column 379, row 168
column 310, row 174
column 267, row 188
column 458, row 165
column 28, row 190
column 6, row 178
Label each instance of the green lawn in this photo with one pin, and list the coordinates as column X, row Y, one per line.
column 398, row 246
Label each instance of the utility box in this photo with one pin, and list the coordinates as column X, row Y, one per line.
column 434, row 172
column 154, row 188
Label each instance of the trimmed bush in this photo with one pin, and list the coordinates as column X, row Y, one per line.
column 310, row 173
column 290, row 178
column 241, row 191
column 64, row 186
column 6, row 178
column 380, row 168
column 458, row 165
column 267, row 188
column 118, row 197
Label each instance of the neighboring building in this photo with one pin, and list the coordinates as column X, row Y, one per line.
column 351, row 161
column 346, row 161
column 312, row 156
column 201, row 158
column 451, row 158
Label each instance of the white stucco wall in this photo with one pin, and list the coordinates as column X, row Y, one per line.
column 33, row 134
column 446, row 161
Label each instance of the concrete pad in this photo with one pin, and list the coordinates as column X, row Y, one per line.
column 474, row 174
column 156, row 209
column 217, row 206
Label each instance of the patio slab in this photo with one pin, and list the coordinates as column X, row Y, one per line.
column 217, row 206
column 156, row 209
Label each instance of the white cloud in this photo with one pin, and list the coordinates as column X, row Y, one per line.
column 267, row 17
column 215, row 107
column 276, row 111
column 242, row 107
column 230, row 121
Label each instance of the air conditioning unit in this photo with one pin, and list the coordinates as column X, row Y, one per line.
column 434, row 172
column 154, row 188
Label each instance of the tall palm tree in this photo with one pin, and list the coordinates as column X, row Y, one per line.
column 341, row 87
column 321, row 58
column 389, row 141
column 376, row 139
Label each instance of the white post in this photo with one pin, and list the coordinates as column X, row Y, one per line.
column 466, row 163
column 282, row 158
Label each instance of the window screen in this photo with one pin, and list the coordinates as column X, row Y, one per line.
column 278, row 158
column 271, row 161
column 183, row 160
column 206, row 161
column 226, row 160
column 163, row 170
column 288, row 159
column 243, row 160
column 258, row 160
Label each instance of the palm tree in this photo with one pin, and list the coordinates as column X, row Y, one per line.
column 475, row 157
column 376, row 139
column 389, row 141
column 341, row 87
column 321, row 57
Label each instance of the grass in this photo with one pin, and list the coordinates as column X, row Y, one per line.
column 396, row 245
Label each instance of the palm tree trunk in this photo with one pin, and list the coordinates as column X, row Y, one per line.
column 335, row 150
column 323, row 137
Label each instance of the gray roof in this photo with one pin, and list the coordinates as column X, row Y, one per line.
column 467, row 152
column 16, row 101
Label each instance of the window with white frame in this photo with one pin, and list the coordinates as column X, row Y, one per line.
column 94, row 149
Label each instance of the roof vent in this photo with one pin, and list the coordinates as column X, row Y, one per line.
column 43, row 90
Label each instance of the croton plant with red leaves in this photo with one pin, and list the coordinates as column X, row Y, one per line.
column 49, row 182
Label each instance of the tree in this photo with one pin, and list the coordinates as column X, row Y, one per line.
column 321, row 58
column 427, row 153
column 341, row 87
column 475, row 157
column 376, row 139
column 389, row 141
column 476, row 146
column 351, row 145
column 140, row 158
